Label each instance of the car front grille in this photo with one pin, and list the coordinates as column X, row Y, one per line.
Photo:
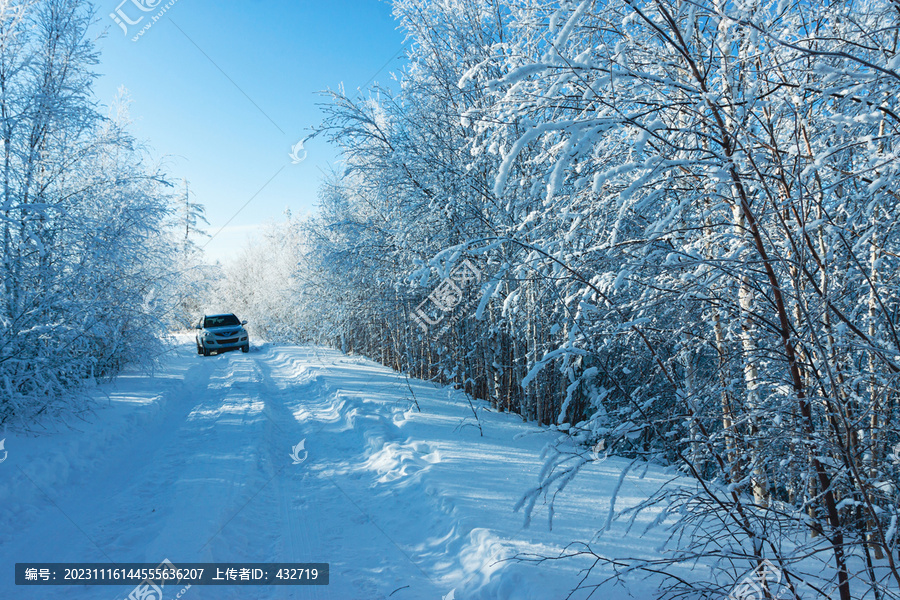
column 228, row 341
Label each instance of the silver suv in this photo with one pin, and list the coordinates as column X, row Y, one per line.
column 217, row 333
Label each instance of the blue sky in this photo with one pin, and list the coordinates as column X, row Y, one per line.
column 223, row 89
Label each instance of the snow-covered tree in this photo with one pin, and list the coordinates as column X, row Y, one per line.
column 83, row 266
column 195, row 286
column 263, row 283
column 684, row 213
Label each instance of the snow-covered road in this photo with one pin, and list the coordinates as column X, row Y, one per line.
column 193, row 464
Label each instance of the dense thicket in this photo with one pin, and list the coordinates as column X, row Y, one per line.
column 683, row 214
column 83, row 260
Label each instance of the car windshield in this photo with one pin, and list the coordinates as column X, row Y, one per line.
column 221, row 321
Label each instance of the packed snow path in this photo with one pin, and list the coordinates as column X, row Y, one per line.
column 193, row 464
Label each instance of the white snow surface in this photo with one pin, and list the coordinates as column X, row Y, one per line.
column 193, row 464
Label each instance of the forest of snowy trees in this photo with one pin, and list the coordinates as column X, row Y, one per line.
column 85, row 247
column 679, row 223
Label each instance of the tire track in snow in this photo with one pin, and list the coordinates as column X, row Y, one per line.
column 211, row 480
column 116, row 502
column 299, row 537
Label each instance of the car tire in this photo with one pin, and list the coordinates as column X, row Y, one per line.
column 245, row 348
column 199, row 349
column 206, row 351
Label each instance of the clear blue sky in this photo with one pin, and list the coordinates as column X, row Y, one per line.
column 225, row 88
